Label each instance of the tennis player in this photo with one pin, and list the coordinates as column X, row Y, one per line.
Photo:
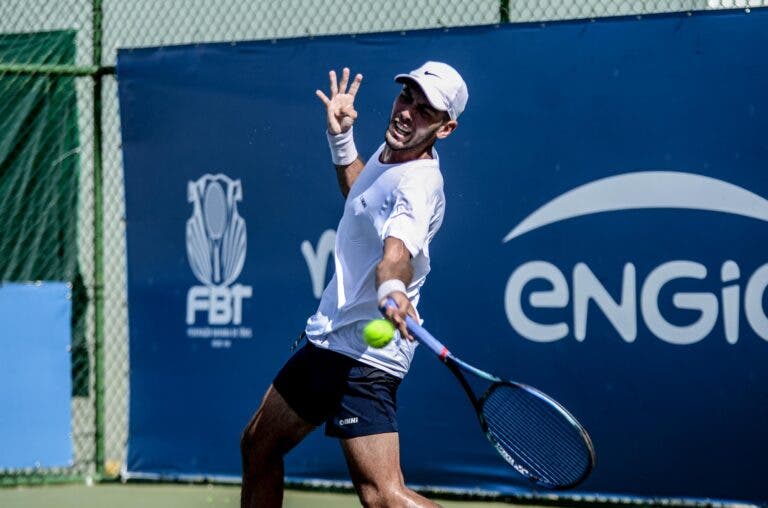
column 394, row 206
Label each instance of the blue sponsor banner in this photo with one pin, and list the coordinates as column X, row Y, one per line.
column 604, row 242
column 36, row 375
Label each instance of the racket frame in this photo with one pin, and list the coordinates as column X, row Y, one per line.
column 456, row 366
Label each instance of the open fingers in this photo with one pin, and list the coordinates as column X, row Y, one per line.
column 323, row 97
column 334, row 86
column 355, row 85
column 344, row 80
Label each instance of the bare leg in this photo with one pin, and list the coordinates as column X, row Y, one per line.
column 271, row 433
column 374, row 464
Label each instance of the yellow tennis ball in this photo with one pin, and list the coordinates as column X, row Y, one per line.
column 378, row 333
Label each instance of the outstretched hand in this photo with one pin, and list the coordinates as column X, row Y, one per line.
column 341, row 105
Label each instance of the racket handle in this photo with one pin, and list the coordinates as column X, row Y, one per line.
column 421, row 334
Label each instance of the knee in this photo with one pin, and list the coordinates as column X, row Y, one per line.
column 254, row 442
column 260, row 442
column 249, row 450
column 258, row 456
column 248, row 441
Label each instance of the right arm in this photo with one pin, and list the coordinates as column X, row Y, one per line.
column 341, row 115
column 395, row 266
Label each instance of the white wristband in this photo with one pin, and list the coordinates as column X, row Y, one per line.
column 389, row 286
column 343, row 150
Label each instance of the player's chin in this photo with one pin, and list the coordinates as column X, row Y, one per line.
column 395, row 143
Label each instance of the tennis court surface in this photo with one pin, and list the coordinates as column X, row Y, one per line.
column 173, row 496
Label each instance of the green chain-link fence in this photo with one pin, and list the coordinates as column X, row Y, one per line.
column 61, row 188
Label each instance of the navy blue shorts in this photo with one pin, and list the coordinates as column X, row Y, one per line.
column 352, row 399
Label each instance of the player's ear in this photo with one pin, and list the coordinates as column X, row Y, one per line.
column 445, row 130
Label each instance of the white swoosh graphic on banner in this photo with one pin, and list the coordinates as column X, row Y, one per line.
column 646, row 189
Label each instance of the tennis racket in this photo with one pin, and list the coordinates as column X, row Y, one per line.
column 539, row 438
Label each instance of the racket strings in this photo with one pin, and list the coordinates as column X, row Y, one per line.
column 553, row 433
column 537, row 434
column 532, row 461
column 530, row 431
column 502, row 429
column 536, row 449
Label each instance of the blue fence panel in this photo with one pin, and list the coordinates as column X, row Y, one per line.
column 35, row 375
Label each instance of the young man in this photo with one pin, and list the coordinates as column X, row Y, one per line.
column 394, row 206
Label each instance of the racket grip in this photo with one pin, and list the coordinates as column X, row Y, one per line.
column 421, row 334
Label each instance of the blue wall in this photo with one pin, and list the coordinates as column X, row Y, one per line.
column 665, row 117
column 35, row 375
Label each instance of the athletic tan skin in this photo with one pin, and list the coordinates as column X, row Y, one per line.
column 373, row 461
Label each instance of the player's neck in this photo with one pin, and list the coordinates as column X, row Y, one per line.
column 389, row 156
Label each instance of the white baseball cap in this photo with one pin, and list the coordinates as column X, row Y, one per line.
column 442, row 85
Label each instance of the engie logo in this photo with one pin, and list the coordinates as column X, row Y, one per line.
column 216, row 247
column 652, row 189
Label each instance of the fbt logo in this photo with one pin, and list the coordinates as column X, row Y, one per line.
column 216, row 248
column 222, row 305
column 652, row 189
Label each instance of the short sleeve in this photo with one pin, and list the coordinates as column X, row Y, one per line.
column 411, row 215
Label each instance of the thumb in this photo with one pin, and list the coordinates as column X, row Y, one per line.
column 350, row 111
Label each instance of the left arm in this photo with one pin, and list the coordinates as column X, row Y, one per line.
column 341, row 115
column 394, row 266
column 347, row 174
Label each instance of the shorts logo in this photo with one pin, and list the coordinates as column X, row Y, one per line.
column 641, row 190
column 216, row 248
column 348, row 421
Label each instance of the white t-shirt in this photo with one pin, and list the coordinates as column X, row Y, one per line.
column 405, row 201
